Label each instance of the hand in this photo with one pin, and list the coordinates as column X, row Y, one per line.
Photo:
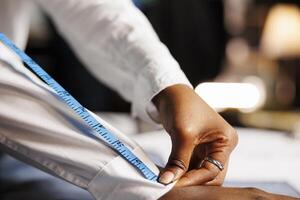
column 196, row 131
column 221, row 193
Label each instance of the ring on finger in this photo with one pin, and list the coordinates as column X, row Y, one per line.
column 217, row 163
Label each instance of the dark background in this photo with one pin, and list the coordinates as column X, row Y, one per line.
column 193, row 30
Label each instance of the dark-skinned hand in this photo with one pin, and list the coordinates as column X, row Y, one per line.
column 196, row 131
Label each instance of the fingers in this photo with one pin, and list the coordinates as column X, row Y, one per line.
column 197, row 177
column 219, row 147
column 219, row 180
column 178, row 162
column 208, row 174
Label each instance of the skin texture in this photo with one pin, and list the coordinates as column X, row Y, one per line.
column 196, row 131
column 221, row 193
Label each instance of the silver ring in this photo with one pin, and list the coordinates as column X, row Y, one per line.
column 218, row 164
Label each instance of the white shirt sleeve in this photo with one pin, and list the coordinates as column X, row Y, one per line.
column 119, row 46
column 36, row 127
column 15, row 20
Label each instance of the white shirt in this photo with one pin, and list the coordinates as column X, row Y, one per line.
column 118, row 45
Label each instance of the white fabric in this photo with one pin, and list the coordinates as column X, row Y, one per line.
column 40, row 130
column 120, row 48
column 15, row 20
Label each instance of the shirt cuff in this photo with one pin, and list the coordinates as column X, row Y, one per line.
column 153, row 79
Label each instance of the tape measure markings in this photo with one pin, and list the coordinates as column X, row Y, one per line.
column 103, row 134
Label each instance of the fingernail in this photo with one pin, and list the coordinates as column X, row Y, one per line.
column 166, row 178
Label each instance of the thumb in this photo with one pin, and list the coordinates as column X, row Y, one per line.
column 178, row 162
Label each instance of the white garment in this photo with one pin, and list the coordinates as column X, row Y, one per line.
column 119, row 46
column 115, row 42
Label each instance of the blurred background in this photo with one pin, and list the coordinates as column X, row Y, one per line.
column 242, row 57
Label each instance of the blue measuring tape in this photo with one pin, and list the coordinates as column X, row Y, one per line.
column 102, row 133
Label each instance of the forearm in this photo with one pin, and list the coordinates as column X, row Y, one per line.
column 118, row 45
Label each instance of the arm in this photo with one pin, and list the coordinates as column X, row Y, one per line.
column 221, row 193
column 197, row 131
column 118, row 45
column 38, row 129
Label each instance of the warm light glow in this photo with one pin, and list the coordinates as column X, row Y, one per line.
column 281, row 35
column 243, row 96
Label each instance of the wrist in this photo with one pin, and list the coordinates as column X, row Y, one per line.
column 170, row 94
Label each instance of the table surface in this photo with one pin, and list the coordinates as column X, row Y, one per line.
column 266, row 156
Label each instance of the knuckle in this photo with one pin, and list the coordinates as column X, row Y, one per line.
column 212, row 172
column 186, row 132
column 211, row 177
column 233, row 137
column 177, row 163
